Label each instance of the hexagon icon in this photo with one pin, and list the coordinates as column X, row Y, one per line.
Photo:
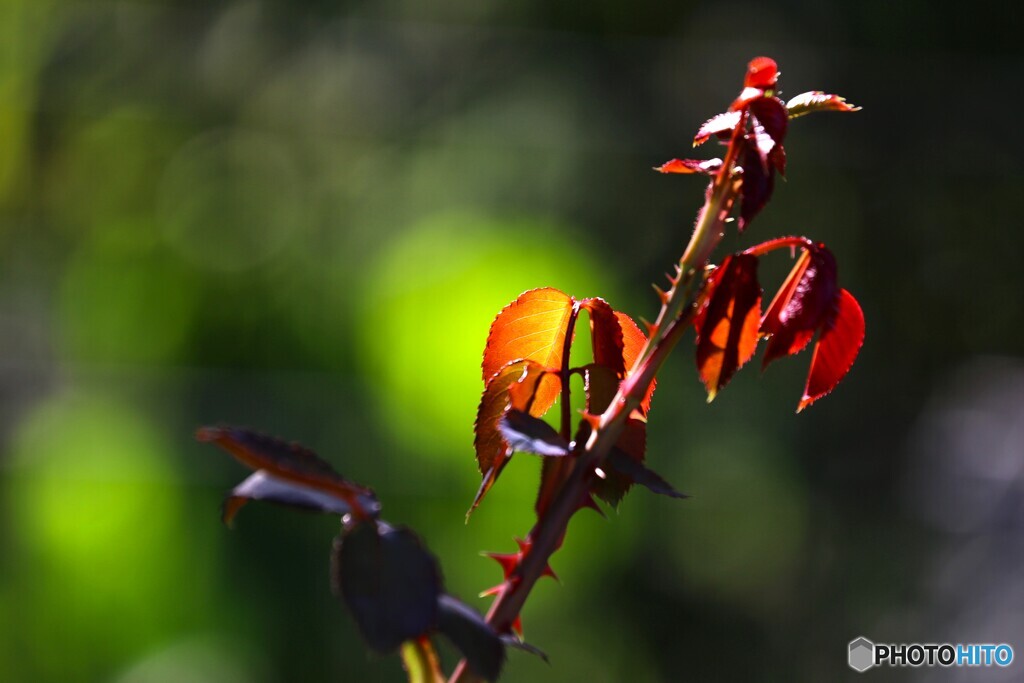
column 862, row 654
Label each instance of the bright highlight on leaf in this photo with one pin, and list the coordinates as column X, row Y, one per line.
column 690, row 166
column 532, row 337
column 533, row 327
column 815, row 100
column 721, row 125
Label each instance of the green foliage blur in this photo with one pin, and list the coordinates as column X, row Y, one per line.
column 302, row 217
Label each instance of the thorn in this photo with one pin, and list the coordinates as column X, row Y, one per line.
column 493, row 591
column 671, row 279
column 651, row 327
column 524, row 546
column 517, row 625
column 548, row 571
column 508, row 561
column 593, row 420
column 661, row 294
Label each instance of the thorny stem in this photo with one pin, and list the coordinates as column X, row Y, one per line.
column 677, row 311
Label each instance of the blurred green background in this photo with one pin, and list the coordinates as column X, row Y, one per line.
column 302, row 217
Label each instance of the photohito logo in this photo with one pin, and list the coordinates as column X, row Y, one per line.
column 863, row 654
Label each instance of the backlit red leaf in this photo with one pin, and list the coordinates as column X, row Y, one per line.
column 762, row 72
column 606, row 335
column 705, row 167
column 835, row 350
column 521, row 384
column 633, row 342
column 721, row 125
column 727, row 326
column 815, row 100
column 801, row 305
column 533, row 327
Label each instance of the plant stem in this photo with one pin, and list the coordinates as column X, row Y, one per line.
column 677, row 311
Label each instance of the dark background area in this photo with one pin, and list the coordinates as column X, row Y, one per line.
column 302, row 217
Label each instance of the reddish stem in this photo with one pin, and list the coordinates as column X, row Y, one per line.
column 675, row 316
column 779, row 243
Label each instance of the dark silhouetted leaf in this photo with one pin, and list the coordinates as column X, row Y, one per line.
column 420, row 662
column 801, row 305
column 512, row 641
column 836, row 349
column 690, row 166
column 483, row 649
column 261, row 485
column 728, row 323
column 721, row 125
column 389, row 582
column 527, row 434
column 624, row 465
column 288, row 462
column 526, row 378
column 632, row 444
column 777, row 159
column 815, row 100
column 771, row 114
column 758, row 179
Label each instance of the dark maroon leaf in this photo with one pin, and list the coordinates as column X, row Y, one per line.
column 389, row 582
column 622, row 464
column 527, row 434
column 482, row 647
column 286, row 462
column 757, row 185
column 614, row 486
column 513, row 641
column 801, row 305
column 771, row 113
column 261, row 485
